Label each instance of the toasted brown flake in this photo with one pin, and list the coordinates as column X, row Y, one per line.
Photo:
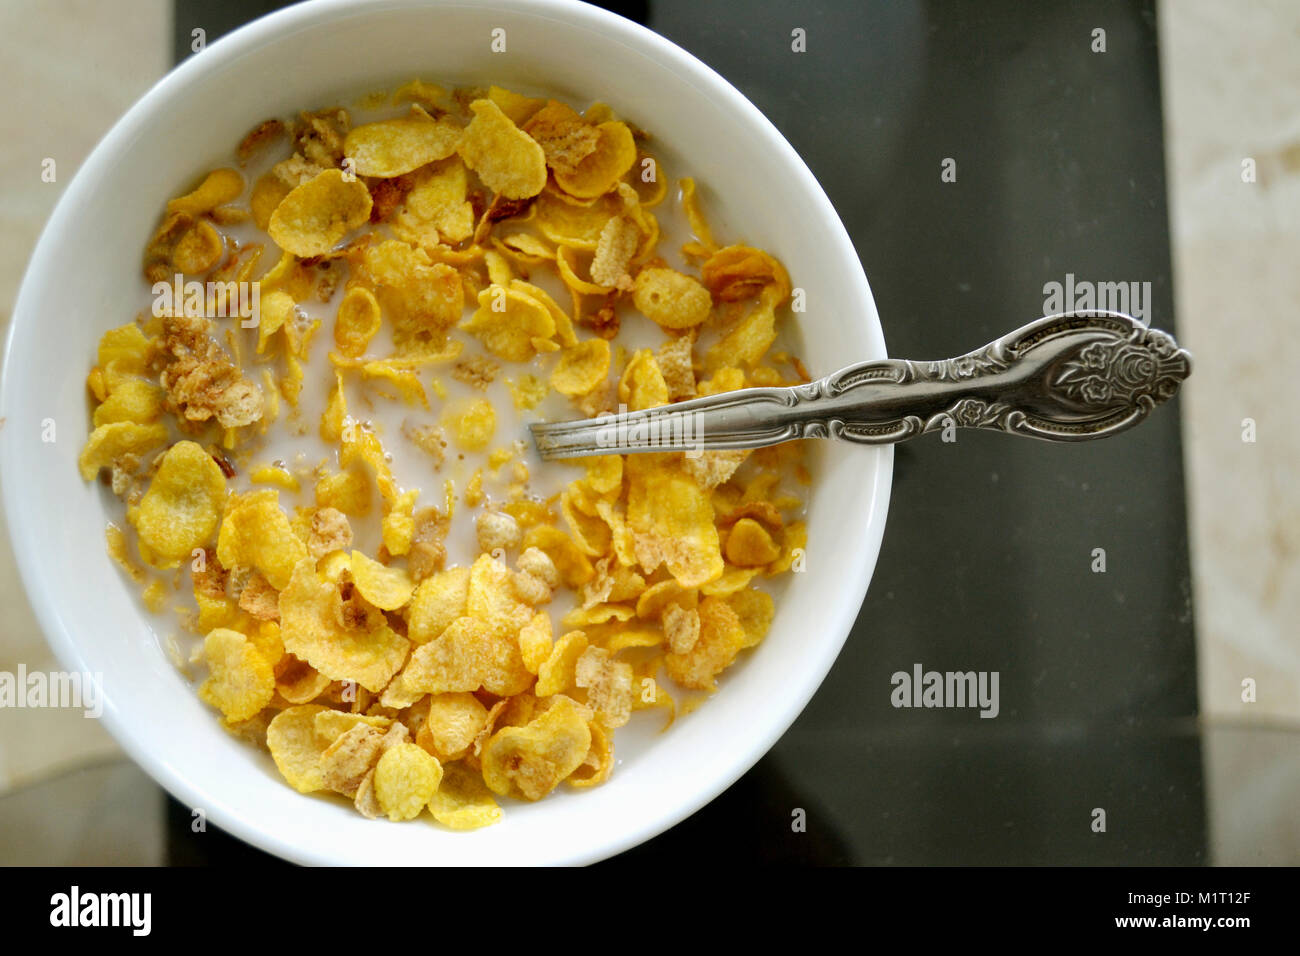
column 617, row 245
column 158, row 253
column 387, row 194
column 564, row 136
column 428, row 551
column 296, row 170
column 224, row 464
column 674, row 358
column 762, row 511
column 123, row 474
column 258, row 138
column 681, row 628
column 201, row 381
column 210, row 580
column 319, row 136
column 712, row 468
column 259, row 599
column 429, row 439
column 366, row 802
column 327, row 280
column 602, row 398
column 501, row 208
column 605, row 321
column 346, row 761
column 538, row 564
column 477, row 371
column 330, row 531
column 355, row 612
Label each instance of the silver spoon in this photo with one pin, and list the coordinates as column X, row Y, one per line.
column 1069, row 377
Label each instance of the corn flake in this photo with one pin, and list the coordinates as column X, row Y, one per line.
column 601, row 170
column 510, row 324
column 741, row 272
column 720, row 639
column 515, row 105
column 745, row 344
column 298, row 682
column 392, row 147
column 421, row 298
column 386, row 588
column 671, row 299
column 315, row 216
column 749, row 545
column 557, row 673
column 406, row 777
column 608, row 684
column 357, row 321
column 565, row 137
column 755, row 610
column 115, row 440
column 468, row 655
column 256, row 533
column 615, row 248
column 436, row 209
column 642, row 385
column 218, row 187
column 182, row 507
column 350, row 759
column 574, row 567
column 437, row 602
column 471, row 423
column 576, row 226
column 463, row 801
column 349, row 492
column 531, row 761
column 508, row 160
column 581, row 367
column 240, row 681
column 315, row 629
column 453, row 722
column 671, row 520
column 295, row 748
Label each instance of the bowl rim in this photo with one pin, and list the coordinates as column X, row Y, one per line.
column 23, row 523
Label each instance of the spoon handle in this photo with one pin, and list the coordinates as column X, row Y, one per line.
column 1070, row 377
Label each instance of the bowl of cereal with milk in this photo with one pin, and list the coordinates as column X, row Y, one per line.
column 292, row 335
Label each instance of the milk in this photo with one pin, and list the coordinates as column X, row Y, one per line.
column 293, row 439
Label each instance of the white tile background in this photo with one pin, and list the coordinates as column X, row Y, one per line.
column 1232, row 90
column 71, row 68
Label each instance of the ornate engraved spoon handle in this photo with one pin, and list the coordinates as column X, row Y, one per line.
column 1068, row 377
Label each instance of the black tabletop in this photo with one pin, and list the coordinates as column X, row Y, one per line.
column 990, row 559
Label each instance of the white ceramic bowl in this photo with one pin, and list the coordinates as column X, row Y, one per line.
column 84, row 278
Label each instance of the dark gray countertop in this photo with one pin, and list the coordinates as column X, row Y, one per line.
column 987, row 556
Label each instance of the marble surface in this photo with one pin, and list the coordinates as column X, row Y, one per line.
column 1231, row 82
column 1232, row 93
column 79, row 64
